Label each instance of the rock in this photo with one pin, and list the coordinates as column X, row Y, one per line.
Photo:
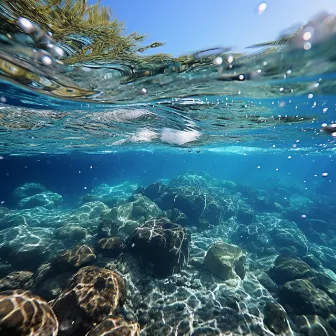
column 88, row 212
column 27, row 190
column 161, row 243
column 287, row 236
column 27, row 247
column 276, row 318
column 177, row 216
column 267, row 282
column 17, row 280
column 287, row 269
column 305, row 299
column 107, row 228
column 245, row 215
column 93, row 294
column 225, row 261
column 70, row 233
column 128, row 216
column 312, row 261
column 110, row 247
column 115, row 326
column 54, row 285
column 75, row 258
column 253, row 238
column 111, row 195
column 313, row 325
column 22, row 313
column 47, row 199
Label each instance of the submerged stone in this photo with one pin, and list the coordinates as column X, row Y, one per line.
column 110, row 247
column 226, row 261
column 26, row 247
column 17, row 280
column 46, row 199
column 75, row 258
column 276, row 318
column 287, row 269
column 25, row 314
column 27, row 190
column 161, row 243
column 126, row 217
column 304, row 298
column 115, row 326
column 314, row 325
column 93, row 294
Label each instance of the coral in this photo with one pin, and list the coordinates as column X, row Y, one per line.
column 93, row 294
column 75, row 258
column 162, row 243
column 225, row 260
column 22, row 313
column 17, row 280
column 115, row 326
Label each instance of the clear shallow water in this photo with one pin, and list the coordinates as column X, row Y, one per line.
column 235, row 148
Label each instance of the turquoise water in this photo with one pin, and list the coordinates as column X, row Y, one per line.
column 168, row 199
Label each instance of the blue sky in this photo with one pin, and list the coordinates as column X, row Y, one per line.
column 191, row 25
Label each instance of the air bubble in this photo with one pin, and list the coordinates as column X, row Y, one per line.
column 262, row 7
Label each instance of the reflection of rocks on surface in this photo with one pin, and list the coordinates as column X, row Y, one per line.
column 115, row 326
column 225, row 260
column 22, row 313
column 93, row 294
column 162, row 243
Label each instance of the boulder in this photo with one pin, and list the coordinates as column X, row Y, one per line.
column 27, row 247
column 161, row 243
column 276, row 318
column 25, row 314
column 93, row 294
column 225, row 261
column 17, row 280
column 115, row 326
column 110, row 247
column 287, row 269
column 27, row 190
column 305, row 299
column 126, row 217
column 47, row 199
column 75, row 258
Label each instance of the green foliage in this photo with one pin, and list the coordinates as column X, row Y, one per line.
column 89, row 30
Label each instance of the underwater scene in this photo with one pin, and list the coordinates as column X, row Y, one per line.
column 143, row 193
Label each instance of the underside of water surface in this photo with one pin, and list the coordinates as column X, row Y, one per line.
column 160, row 195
